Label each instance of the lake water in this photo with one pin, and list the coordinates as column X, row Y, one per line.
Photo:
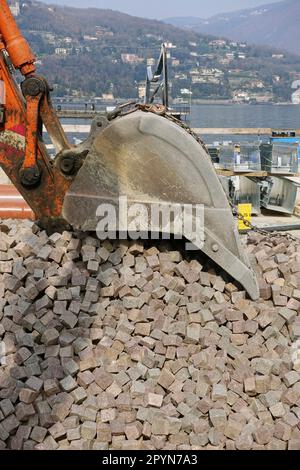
column 287, row 116
column 276, row 117
column 271, row 116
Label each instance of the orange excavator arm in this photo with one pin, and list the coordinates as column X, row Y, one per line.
column 24, row 110
column 17, row 47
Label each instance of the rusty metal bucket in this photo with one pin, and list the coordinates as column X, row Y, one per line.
column 151, row 160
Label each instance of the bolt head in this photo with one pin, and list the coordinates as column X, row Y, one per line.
column 30, row 176
column 67, row 165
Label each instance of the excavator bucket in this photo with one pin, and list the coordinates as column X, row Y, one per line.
column 152, row 160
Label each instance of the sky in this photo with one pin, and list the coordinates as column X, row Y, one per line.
column 166, row 8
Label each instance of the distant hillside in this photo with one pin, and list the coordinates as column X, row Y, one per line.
column 94, row 52
column 275, row 24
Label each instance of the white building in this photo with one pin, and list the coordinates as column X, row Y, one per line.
column 218, row 43
column 186, row 91
column 61, row 51
column 241, row 96
column 131, row 59
column 90, row 38
column 170, row 45
column 108, row 96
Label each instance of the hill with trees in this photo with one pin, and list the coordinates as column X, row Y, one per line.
column 91, row 52
column 273, row 24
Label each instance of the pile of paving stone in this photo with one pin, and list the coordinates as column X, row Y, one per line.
column 136, row 346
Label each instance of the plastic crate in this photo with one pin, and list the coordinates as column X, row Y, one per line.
column 279, row 158
column 279, row 195
column 243, row 157
column 287, row 140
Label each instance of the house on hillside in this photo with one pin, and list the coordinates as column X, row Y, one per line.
column 170, row 45
column 218, row 43
column 131, row 59
column 240, row 96
column 108, row 96
column 87, row 37
column 62, row 51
